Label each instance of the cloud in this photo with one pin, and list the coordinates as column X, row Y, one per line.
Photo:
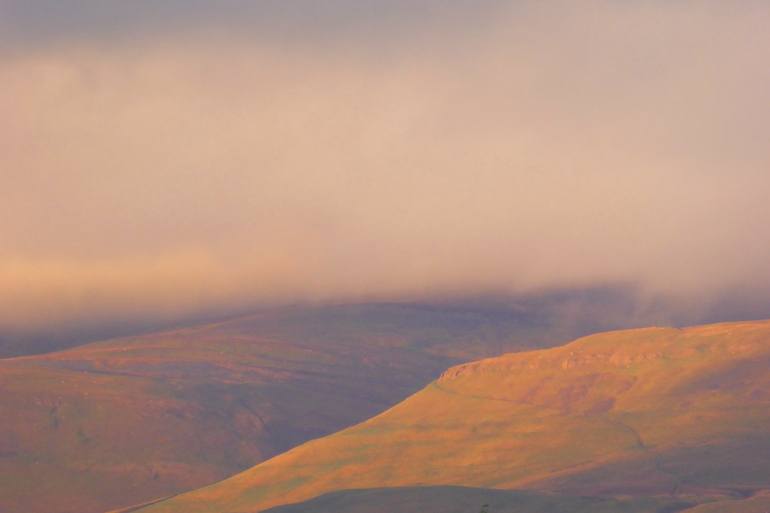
column 565, row 145
column 42, row 23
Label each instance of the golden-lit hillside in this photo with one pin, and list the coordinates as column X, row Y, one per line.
column 120, row 422
column 658, row 412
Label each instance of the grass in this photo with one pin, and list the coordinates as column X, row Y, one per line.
column 639, row 413
column 125, row 421
column 455, row 499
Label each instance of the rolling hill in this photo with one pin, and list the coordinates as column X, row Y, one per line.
column 457, row 499
column 119, row 422
column 680, row 414
column 461, row 323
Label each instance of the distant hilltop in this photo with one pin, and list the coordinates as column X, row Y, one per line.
column 680, row 416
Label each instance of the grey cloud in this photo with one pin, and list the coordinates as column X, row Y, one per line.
column 44, row 22
column 555, row 145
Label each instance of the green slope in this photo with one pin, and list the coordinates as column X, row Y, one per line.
column 652, row 412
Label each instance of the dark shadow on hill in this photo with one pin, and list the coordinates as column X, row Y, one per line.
column 458, row 499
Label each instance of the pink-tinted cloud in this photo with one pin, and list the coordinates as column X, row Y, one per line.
column 572, row 144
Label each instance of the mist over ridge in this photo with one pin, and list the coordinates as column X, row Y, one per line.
column 160, row 169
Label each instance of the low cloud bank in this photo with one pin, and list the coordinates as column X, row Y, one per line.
column 193, row 173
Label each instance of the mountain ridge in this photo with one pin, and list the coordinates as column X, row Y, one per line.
column 652, row 412
column 123, row 421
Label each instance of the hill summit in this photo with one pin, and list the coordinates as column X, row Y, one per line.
column 659, row 412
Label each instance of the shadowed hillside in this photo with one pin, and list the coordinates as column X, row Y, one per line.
column 544, row 316
column 655, row 412
column 124, row 421
column 456, row 499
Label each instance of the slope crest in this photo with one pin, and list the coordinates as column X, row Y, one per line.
column 641, row 413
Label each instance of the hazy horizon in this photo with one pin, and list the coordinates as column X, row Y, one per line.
column 183, row 160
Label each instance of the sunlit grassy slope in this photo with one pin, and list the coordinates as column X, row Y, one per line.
column 651, row 412
column 124, row 421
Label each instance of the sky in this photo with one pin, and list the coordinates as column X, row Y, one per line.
column 166, row 159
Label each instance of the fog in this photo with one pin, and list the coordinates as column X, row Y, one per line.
column 158, row 165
